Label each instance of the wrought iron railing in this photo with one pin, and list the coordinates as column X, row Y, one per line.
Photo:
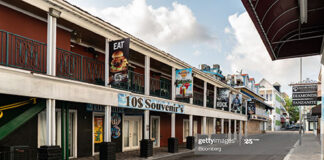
column 160, row 88
column 135, row 83
column 77, row 67
column 198, row 98
column 21, row 52
column 210, row 101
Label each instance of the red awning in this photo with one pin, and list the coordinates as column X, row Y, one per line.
column 278, row 23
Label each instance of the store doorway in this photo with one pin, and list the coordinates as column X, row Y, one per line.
column 155, row 131
column 132, row 134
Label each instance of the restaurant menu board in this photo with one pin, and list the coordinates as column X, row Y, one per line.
column 222, row 98
column 184, row 86
column 118, row 61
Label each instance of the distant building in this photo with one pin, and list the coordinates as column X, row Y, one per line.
column 258, row 110
column 273, row 96
column 214, row 71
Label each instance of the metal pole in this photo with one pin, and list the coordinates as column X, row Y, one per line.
column 67, row 130
column 300, row 108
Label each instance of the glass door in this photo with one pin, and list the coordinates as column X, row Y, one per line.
column 155, row 131
column 132, row 132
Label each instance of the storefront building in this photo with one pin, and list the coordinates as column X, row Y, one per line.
column 257, row 110
column 55, row 90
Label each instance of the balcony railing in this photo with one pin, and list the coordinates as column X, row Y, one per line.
column 20, row 52
column 160, row 88
column 185, row 100
column 77, row 67
column 198, row 98
column 210, row 102
column 135, row 83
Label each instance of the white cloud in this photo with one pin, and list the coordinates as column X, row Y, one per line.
column 250, row 54
column 162, row 27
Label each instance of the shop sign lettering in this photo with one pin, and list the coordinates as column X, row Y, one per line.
column 136, row 102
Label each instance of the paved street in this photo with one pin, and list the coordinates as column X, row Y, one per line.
column 278, row 143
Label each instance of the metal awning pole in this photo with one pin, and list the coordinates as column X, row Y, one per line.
column 300, row 107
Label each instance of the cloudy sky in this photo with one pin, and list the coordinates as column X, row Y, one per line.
column 212, row 32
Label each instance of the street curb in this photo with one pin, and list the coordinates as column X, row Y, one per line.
column 287, row 157
column 170, row 155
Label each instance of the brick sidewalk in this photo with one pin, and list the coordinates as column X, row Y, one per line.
column 309, row 150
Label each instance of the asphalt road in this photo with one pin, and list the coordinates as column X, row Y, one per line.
column 272, row 146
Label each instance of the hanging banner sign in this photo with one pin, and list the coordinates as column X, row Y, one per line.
column 236, row 102
column 251, row 107
column 222, row 98
column 118, row 61
column 304, row 95
column 304, row 88
column 184, row 86
column 137, row 102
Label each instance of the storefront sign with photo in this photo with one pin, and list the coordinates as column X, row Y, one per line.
column 115, row 129
column 137, row 102
column 222, row 98
column 184, row 86
column 251, row 107
column 118, row 61
column 236, row 102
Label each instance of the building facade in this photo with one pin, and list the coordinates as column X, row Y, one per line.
column 272, row 94
column 55, row 90
column 257, row 110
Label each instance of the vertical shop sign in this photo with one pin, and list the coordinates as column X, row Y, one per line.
column 118, row 61
column 184, row 86
column 237, row 102
column 115, row 128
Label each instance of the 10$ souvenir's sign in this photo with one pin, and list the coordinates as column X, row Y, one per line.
column 137, row 102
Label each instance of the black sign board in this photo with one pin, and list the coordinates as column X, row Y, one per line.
column 304, row 88
column 304, row 95
column 118, row 61
column 304, row 102
column 312, row 118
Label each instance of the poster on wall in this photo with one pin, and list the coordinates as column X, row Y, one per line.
column 251, row 107
column 222, row 98
column 115, row 128
column 98, row 129
column 236, row 102
column 184, row 86
column 118, row 61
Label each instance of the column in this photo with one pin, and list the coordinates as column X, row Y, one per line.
column 173, row 141
column 147, row 124
column 240, row 132
column 229, row 128
column 191, row 99
column 215, row 96
column 190, row 125
column 48, row 122
column 235, row 127
column 190, row 138
column 246, row 131
column 173, row 87
column 49, row 149
column 107, row 131
column 147, row 76
column 222, row 125
column 214, row 125
column 204, row 125
column 107, row 62
column 205, row 94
